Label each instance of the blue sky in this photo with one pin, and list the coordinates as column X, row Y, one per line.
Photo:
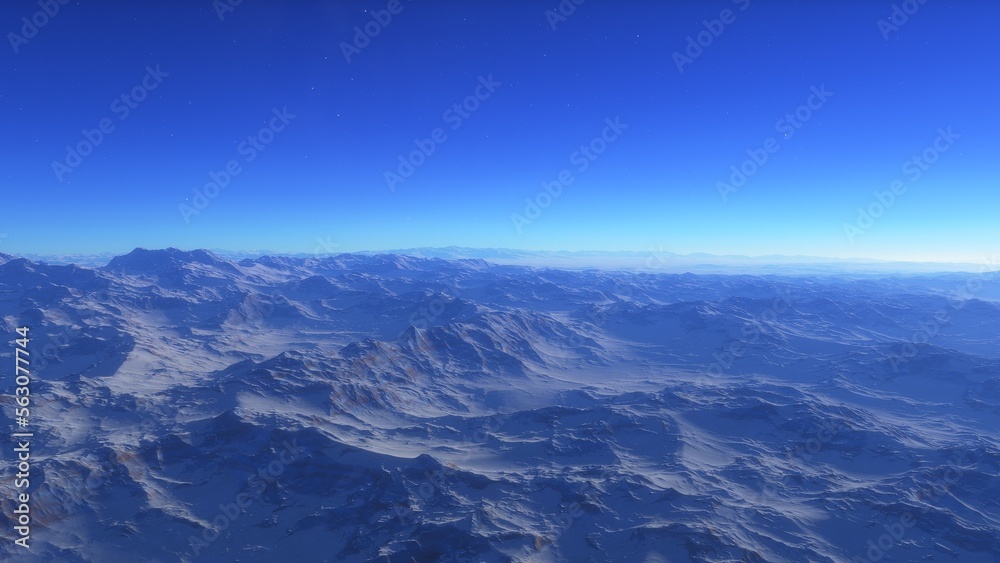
column 532, row 88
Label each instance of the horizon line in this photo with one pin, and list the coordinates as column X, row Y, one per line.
column 515, row 255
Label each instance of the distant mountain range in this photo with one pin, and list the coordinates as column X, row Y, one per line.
column 651, row 260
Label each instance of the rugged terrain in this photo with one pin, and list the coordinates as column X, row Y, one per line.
column 187, row 407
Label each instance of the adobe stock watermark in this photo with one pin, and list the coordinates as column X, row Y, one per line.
column 455, row 116
column 325, row 247
column 249, row 149
column 914, row 168
column 223, row 7
column 363, row 35
column 696, row 44
column 656, row 260
column 82, row 479
column 930, row 328
column 257, row 483
column 63, row 335
column 805, row 451
column 563, row 11
column 768, row 495
column 750, row 334
column 786, row 126
column 894, row 533
column 391, row 379
column 122, row 107
column 31, row 25
column 928, row 490
column 899, row 17
column 583, row 157
column 428, row 314
column 570, row 513
column 262, row 306
column 437, row 479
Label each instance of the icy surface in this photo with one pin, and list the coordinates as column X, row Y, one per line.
column 391, row 408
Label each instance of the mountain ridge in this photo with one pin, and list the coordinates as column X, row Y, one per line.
column 637, row 261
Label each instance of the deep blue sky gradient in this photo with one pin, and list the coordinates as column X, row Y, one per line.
column 322, row 178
